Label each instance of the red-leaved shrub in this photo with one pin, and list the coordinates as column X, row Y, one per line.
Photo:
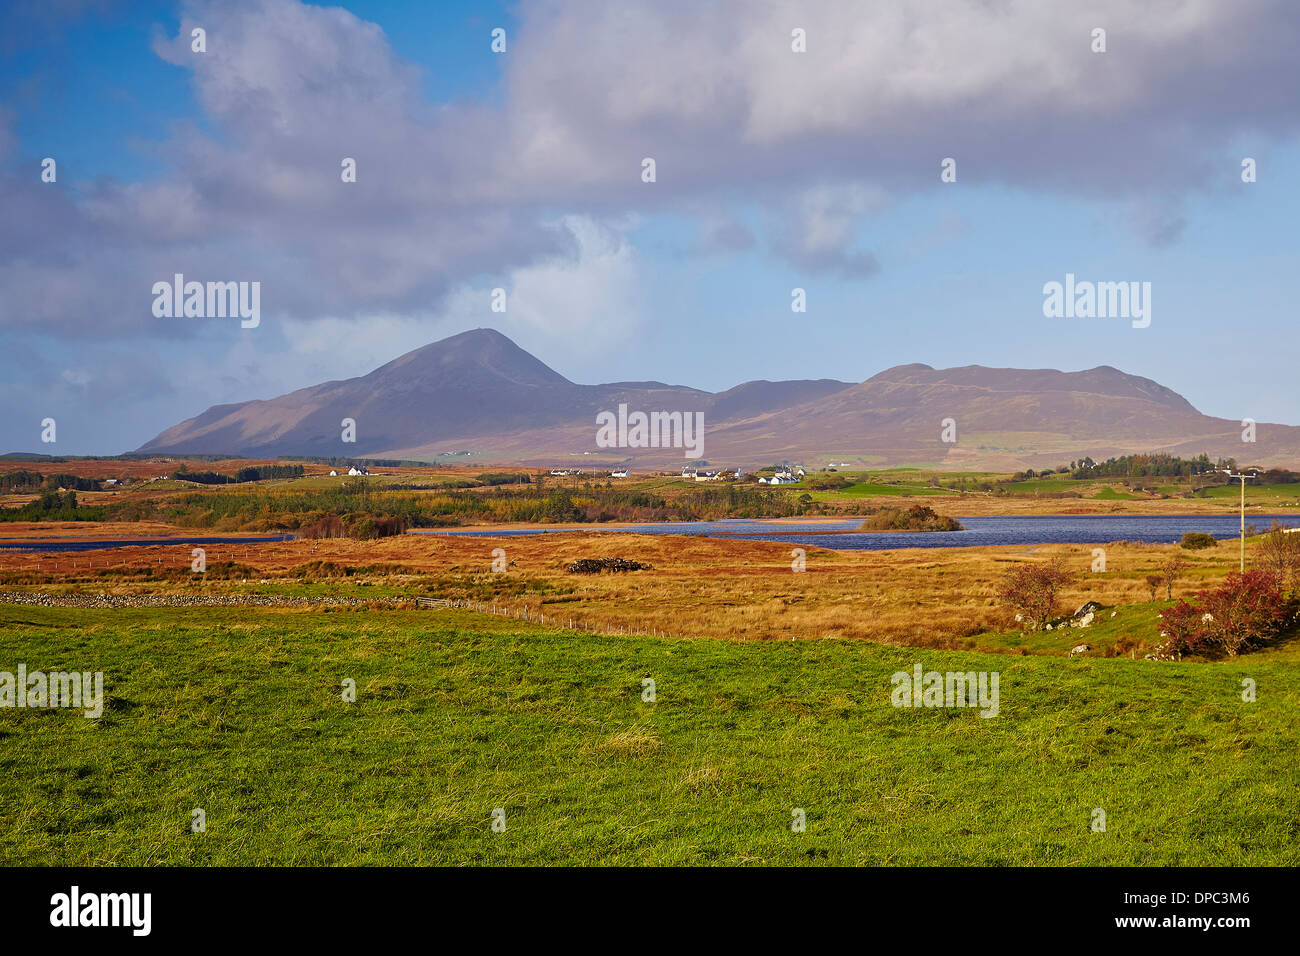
column 1241, row 614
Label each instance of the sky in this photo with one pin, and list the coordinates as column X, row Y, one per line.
column 522, row 169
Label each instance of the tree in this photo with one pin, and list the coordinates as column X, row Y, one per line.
column 1170, row 572
column 1153, row 585
column 1279, row 554
column 357, row 487
column 1032, row 589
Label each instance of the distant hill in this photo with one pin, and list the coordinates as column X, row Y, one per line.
column 480, row 392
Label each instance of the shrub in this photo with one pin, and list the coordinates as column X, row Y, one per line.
column 1241, row 614
column 1198, row 540
column 1032, row 589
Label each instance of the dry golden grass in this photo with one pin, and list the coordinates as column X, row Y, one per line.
column 704, row 587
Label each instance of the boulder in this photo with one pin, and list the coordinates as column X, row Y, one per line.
column 1089, row 607
column 1079, row 649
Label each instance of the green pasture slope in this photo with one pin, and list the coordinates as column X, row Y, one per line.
column 239, row 712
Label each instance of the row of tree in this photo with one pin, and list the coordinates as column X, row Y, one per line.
column 1136, row 466
column 251, row 473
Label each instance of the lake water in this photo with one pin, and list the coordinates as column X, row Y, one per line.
column 1027, row 530
column 981, row 531
column 46, row 544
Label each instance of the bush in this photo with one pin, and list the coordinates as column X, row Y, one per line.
column 362, row 527
column 1032, row 589
column 1241, row 614
column 1198, row 540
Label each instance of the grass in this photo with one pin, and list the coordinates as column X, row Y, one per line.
column 1110, row 494
column 1138, row 623
column 699, row 587
column 1256, row 494
column 872, row 489
column 239, row 712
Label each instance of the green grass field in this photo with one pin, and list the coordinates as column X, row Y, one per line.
column 239, row 712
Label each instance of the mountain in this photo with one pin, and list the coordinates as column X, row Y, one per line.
column 480, row 392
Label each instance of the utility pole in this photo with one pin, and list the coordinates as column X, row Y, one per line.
column 1242, row 478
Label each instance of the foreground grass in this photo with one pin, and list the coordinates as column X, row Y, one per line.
column 239, row 712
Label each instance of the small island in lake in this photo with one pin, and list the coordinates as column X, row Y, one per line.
column 915, row 518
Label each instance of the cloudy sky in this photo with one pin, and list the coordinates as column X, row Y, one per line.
column 522, row 169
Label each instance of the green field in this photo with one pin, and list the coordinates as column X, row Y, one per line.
column 1258, row 494
column 239, row 712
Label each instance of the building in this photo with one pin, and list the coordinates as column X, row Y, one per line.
column 619, row 473
column 782, row 477
column 354, row 470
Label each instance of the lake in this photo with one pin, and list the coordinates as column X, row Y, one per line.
column 98, row 544
column 980, row 531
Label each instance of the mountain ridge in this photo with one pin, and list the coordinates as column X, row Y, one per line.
column 482, row 392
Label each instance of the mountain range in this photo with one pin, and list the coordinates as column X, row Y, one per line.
column 478, row 392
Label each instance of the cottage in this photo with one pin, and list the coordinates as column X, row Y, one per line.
column 783, row 477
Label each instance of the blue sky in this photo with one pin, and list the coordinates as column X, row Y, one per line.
column 521, row 170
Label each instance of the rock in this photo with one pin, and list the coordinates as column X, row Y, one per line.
column 1087, row 608
column 1079, row 649
column 1085, row 620
column 596, row 565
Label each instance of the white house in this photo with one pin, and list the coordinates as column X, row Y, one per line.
column 619, row 473
column 782, row 477
column 333, row 473
column 354, row 470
